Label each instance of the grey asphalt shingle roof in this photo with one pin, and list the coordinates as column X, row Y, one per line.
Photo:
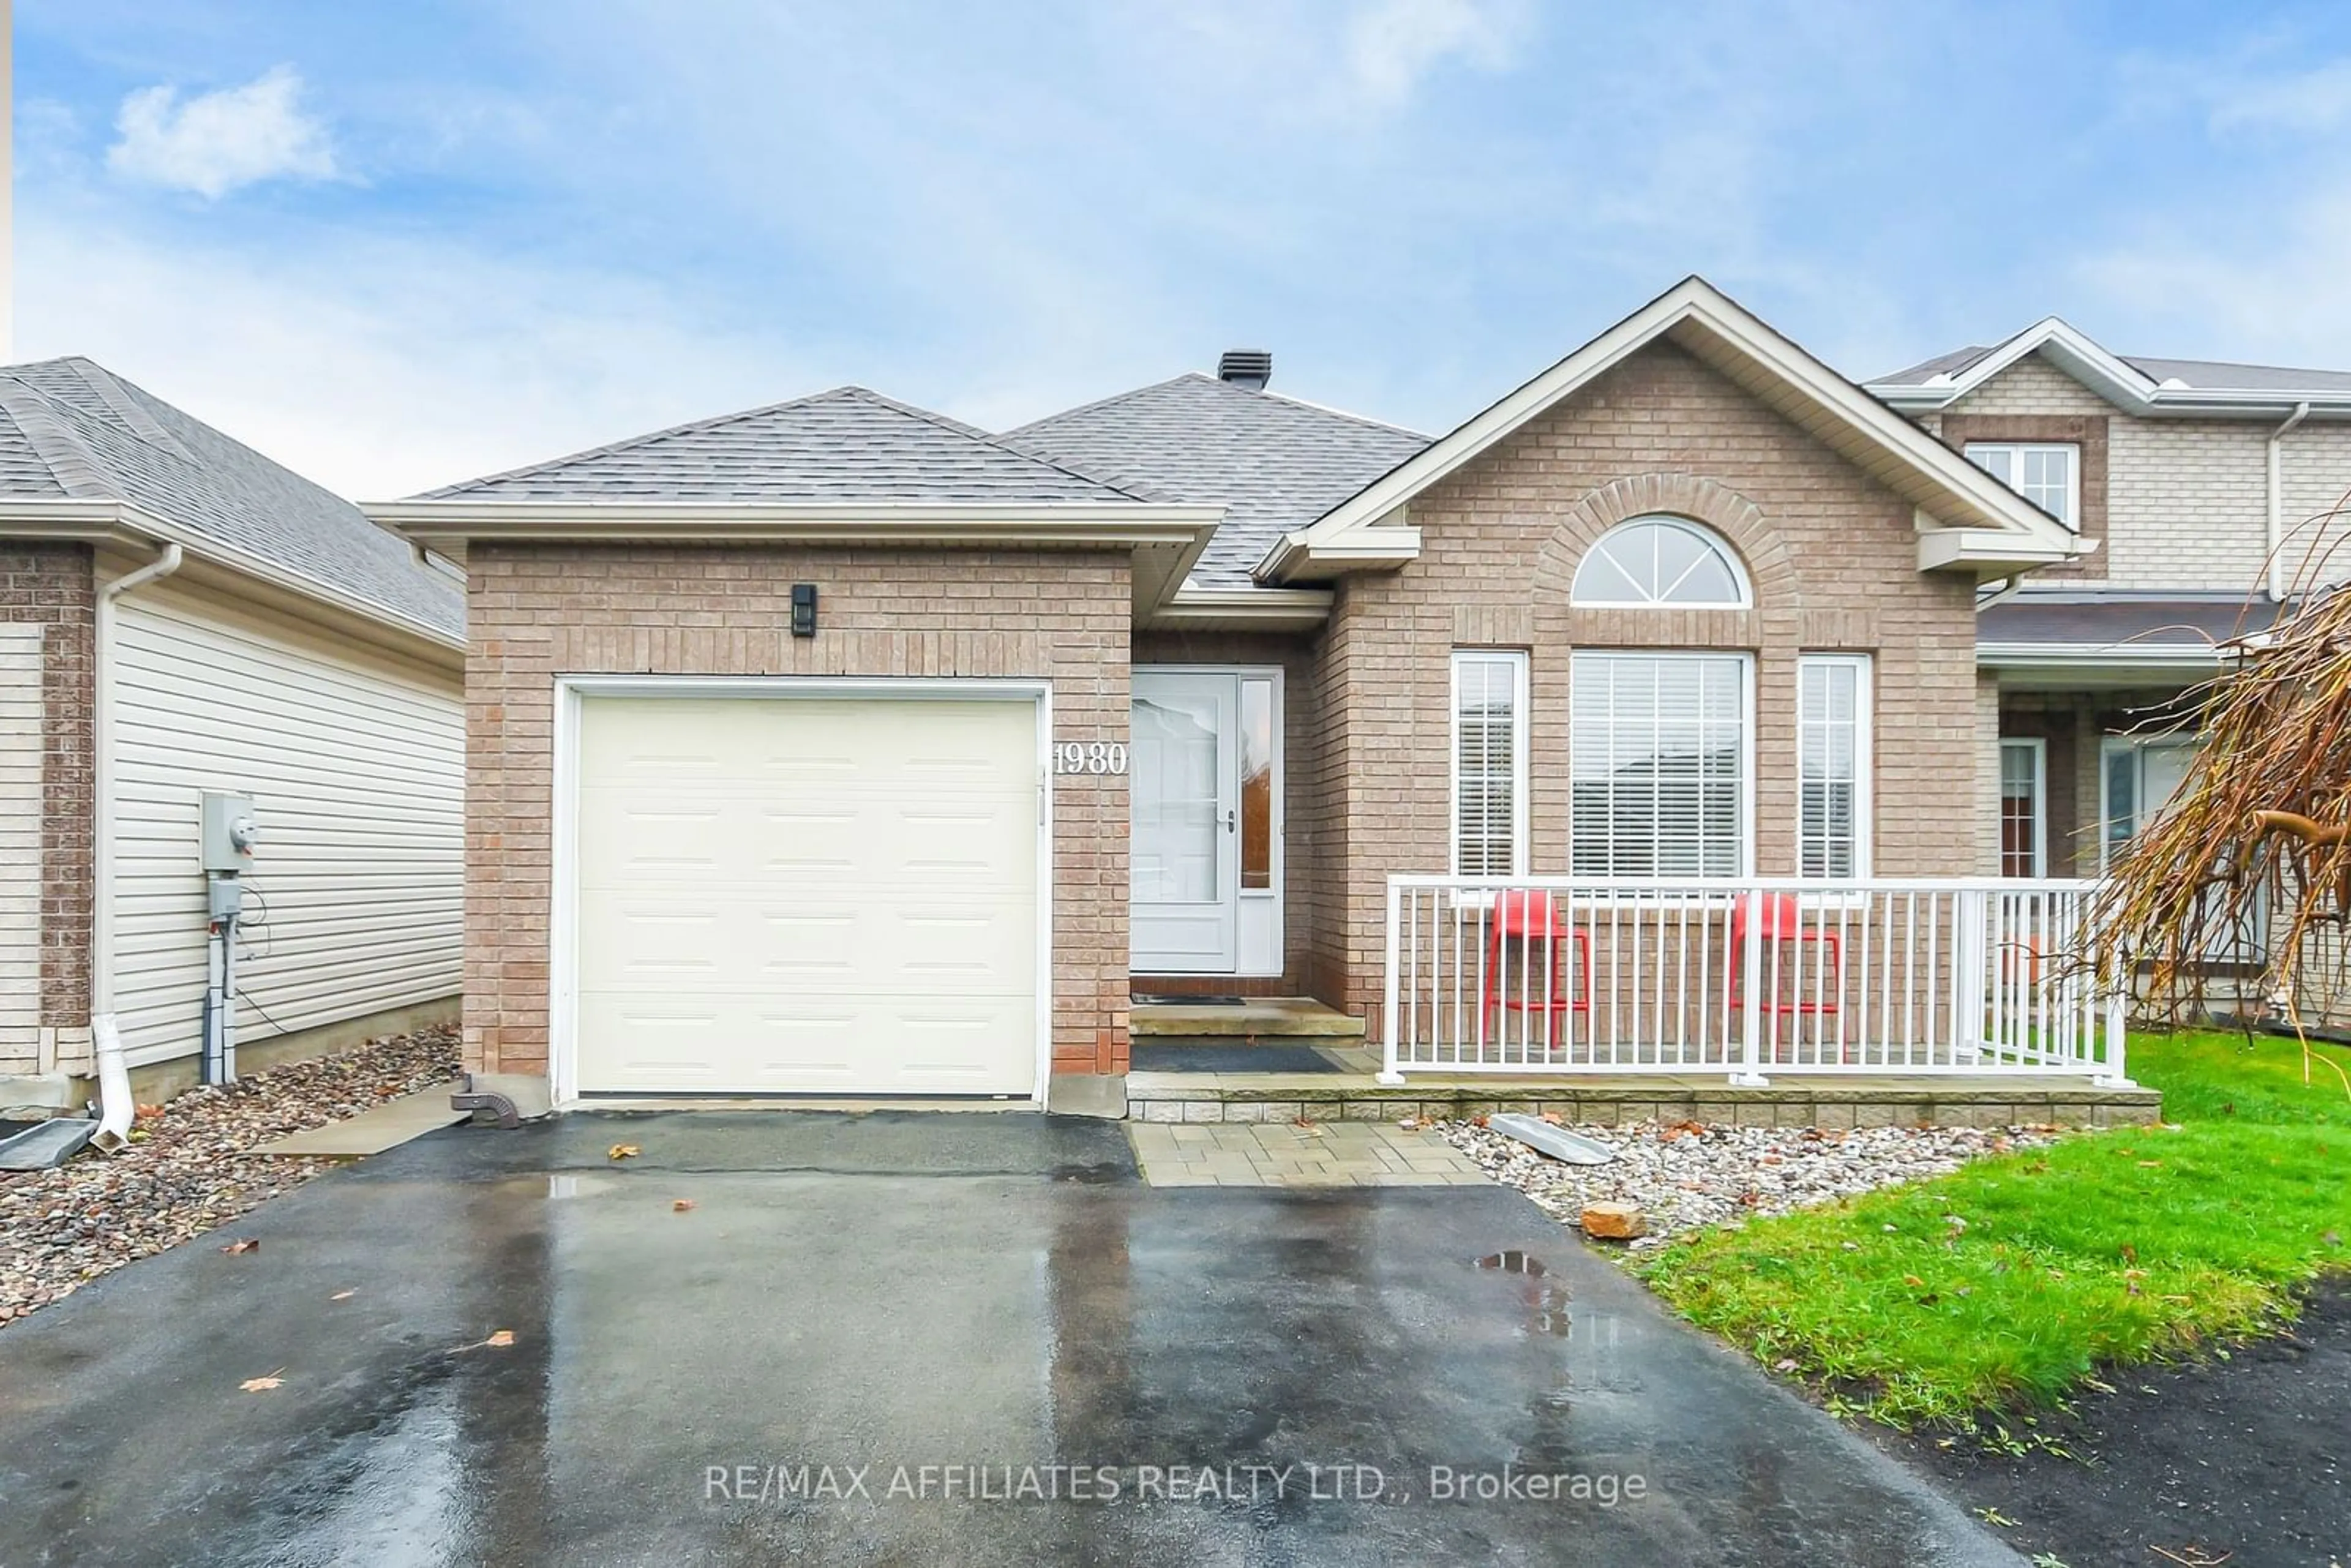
column 2121, row 622
column 2201, row 376
column 1274, row 462
column 69, row 428
column 846, row 444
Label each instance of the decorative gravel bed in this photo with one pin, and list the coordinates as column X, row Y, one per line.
column 1684, row 1175
column 190, row 1166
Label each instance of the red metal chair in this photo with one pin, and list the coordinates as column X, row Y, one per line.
column 1782, row 919
column 1530, row 918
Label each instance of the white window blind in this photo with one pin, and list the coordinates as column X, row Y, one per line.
column 1657, row 762
column 1489, row 763
column 1833, row 765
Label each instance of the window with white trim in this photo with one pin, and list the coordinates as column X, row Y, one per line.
column 1658, row 764
column 2047, row 474
column 1659, row 562
column 1489, row 763
column 2023, row 809
column 1832, row 765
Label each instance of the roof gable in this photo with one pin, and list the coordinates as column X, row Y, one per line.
column 2135, row 383
column 849, row 445
column 1967, row 518
column 1274, row 462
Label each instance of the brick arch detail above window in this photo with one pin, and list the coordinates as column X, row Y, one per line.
column 1739, row 520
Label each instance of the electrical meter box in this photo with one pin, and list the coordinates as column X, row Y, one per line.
column 230, row 831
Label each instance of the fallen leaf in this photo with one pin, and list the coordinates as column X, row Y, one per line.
column 243, row 1244
column 1553, row 1117
column 1784, row 1366
column 262, row 1385
column 146, row 1113
column 623, row 1152
column 680, row 1205
column 342, row 1295
column 2149, row 1165
column 1912, row 1281
column 500, row 1340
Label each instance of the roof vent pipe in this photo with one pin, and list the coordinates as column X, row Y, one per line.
column 1249, row 368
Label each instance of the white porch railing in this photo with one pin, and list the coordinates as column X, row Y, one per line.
column 1746, row 977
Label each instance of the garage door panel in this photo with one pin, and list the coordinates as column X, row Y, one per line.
column 908, row 944
column 807, row 895
column 823, row 1042
column 990, row 842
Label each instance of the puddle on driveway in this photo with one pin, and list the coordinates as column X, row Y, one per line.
column 1547, row 1298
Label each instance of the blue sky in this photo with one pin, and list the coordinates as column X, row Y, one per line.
column 396, row 245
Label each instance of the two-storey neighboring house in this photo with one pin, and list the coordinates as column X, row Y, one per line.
column 2212, row 493
column 2206, row 487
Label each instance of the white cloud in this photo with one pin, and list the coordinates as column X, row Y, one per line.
column 381, row 366
column 2267, row 290
column 2317, row 100
column 216, row 142
column 1393, row 44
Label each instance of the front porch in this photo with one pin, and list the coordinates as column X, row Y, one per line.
column 1950, row 1002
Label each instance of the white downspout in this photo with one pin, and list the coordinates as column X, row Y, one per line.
column 2277, row 504
column 115, row 1108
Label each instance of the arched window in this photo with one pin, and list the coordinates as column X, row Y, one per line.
column 1662, row 561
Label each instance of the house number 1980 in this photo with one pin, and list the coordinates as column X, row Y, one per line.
column 1100, row 756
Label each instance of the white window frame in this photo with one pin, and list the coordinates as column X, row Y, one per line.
column 1516, row 661
column 2110, row 748
column 2038, row 749
column 1977, row 450
column 1746, row 737
column 1713, row 541
column 1864, row 759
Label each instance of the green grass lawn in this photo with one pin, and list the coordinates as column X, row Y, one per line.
column 2002, row 1286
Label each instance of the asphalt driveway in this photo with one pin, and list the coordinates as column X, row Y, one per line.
column 1004, row 1346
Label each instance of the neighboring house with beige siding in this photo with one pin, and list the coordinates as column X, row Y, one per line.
column 2213, row 492
column 178, row 616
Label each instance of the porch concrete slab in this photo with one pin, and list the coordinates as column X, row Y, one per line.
column 1301, row 1018
column 1338, row 1154
column 499, row 1347
column 387, row 1126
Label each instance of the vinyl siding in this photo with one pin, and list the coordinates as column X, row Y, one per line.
column 355, row 763
column 20, row 848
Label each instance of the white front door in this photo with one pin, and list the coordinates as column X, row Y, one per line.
column 1184, row 854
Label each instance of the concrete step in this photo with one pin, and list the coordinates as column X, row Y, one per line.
column 1266, row 1018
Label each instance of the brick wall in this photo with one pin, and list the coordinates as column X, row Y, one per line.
column 540, row 611
column 54, row 585
column 2187, row 500
column 1833, row 558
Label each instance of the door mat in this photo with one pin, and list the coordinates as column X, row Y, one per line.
column 1154, row 999
column 1149, row 1056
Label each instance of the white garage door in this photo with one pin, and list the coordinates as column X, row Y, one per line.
column 807, row 895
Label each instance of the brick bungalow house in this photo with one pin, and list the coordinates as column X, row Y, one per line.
column 840, row 747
